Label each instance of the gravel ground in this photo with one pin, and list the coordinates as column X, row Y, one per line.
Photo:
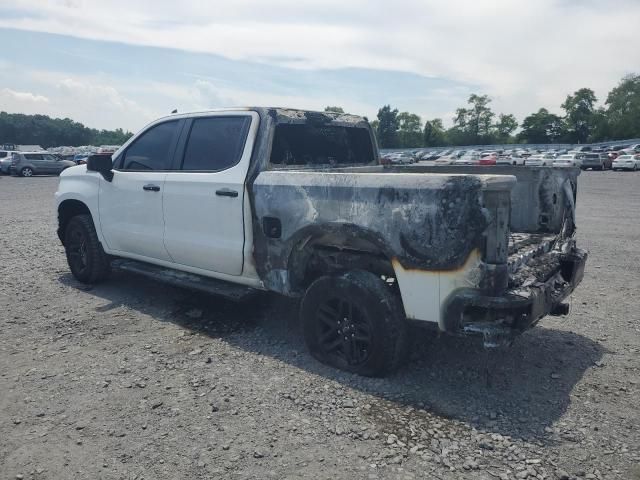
column 133, row 379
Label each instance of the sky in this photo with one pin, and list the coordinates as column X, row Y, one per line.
column 119, row 63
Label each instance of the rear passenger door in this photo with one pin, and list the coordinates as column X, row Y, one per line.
column 204, row 195
column 37, row 162
column 130, row 206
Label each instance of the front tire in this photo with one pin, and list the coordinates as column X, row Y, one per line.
column 26, row 172
column 355, row 322
column 85, row 256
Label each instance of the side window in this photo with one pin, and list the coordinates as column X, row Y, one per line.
column 215, row 143
column 3, row 154
column 151, row 150
column 33, row 156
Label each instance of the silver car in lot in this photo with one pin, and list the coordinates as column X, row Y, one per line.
column 568, row 160
column 540, row 160
column 5, row 160
column 28, row 164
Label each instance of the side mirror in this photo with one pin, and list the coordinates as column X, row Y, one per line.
column 101, row 164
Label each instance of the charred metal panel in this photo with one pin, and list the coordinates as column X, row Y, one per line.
column 539, row 200
column 427, row 222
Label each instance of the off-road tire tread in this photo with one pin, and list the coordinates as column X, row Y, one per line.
column 99, row 261
column 394, row 351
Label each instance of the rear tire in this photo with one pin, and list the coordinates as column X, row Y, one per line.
column 85, row 256
column 26, row 172
column 355, row 322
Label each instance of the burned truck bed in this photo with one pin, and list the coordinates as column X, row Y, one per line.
column 537, row 199
column 528, row 258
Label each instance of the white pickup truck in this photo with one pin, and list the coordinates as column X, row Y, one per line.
column 295, row 202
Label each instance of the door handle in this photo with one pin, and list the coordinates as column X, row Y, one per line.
column 151, row 188
column 225, row 192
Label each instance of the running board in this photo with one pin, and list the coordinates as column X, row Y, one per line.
column 190, row 281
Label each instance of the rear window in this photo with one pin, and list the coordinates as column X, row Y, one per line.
column 592, row 155
column 307, row 144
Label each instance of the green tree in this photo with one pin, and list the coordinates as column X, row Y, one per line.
column 580, row 115
column 53, row 132
column 388, row 126
column 410, row 130
column 504, row 127
column 474, row 123
column 434, row 134
column 334, row 109
column 542, row 127
column 601, row 128
column 623, row 109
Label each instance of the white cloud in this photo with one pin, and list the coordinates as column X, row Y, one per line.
column 9, row 96
column 91, row 100
column 525, row 54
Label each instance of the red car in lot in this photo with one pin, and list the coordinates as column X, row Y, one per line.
column 490, row 159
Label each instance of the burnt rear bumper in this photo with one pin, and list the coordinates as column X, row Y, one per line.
column 500, row 318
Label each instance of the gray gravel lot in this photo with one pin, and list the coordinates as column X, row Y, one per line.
column 133, row 379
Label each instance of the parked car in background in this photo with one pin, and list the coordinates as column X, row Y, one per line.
column 402, row 158
column 468, row 159
column 488, row 158
column 596, row 161
column 539, row 160
column 458, row 153
column 512, row 159
column 5, row 160
column 445, row 160
column 81, row 158
column 568, row 160
column 28, row 164
column 635, row 148
column 585, row 148
column 626, row 162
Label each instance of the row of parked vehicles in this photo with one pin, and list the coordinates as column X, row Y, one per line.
column 39, row 162
column 582, row 157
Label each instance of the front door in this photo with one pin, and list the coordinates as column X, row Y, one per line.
column 51, row 163
column 131, row 217
column 204, row 195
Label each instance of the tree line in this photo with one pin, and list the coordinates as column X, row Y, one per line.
column 477, row 124
column 21, row 129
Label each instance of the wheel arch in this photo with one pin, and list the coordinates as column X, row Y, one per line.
column 66, row 211
column 335, row 248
